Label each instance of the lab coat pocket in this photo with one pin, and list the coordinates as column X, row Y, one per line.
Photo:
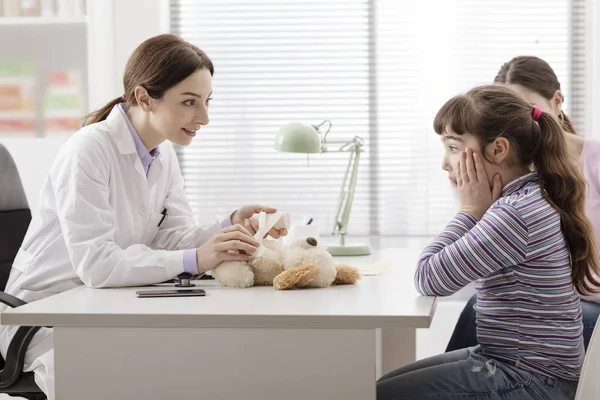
column 151, row 228
column 23, row 261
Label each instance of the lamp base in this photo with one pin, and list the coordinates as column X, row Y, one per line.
column 358, row 249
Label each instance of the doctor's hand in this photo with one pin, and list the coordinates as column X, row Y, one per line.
column 234, row 243
column 243, row 216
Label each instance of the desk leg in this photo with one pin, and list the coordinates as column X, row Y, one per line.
column 217, row 364
column 396, row 347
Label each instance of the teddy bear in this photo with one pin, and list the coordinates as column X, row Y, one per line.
column 301, row 264
column 306, row 265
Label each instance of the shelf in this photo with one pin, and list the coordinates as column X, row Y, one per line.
column 28, row 21
column 24, row 138
column 18, row 114
column 66, row 113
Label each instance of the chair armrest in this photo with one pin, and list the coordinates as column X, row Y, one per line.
column 15, row 356
column 11, row 301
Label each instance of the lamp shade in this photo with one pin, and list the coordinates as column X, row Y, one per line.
column 298, row 137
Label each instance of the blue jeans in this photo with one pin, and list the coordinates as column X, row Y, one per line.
column 468, row 374
column 465, row 334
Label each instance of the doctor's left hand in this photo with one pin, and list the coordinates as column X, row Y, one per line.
column 243, row 216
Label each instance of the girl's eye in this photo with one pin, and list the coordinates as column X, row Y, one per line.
column 208, row 100
column 189, row 103
column 453, row 149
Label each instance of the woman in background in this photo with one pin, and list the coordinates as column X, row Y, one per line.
column 534, row 80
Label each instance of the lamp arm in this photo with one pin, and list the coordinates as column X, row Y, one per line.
column 346, row 198
column 345, row 145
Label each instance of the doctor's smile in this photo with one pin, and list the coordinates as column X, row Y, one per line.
column 190, row 132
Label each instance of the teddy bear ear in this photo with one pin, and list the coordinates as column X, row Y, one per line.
column 312, row 241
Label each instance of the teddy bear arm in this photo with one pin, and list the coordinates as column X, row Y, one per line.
column 234, row 274
column 346, row 275
column 299, row 276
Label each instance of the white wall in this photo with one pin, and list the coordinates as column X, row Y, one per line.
column 136, row 21
column 115, row 28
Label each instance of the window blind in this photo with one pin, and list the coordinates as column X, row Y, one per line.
column 379, row 69
column 278, row 62
column 577, row 63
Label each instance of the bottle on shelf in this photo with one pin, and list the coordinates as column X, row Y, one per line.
column 43, row 8
column 71, row 8
column 63, row 103
column 11, row 8
column 47, row 8
column 17, row 98
column 31, row 8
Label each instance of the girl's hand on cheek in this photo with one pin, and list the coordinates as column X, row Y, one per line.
column 474, row 191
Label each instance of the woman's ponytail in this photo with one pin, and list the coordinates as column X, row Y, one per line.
column 566, row 123
column 564, row 187
column 102, row 113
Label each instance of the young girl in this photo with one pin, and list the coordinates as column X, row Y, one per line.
column 524, row 237
column 534, row 80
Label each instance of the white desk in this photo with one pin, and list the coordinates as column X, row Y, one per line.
column 256, row 343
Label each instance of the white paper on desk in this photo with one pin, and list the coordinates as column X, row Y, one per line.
column 377, row 268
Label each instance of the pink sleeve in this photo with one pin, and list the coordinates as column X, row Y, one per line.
column 590, row 166
column 595, row 297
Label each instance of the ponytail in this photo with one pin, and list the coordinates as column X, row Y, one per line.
column 566, row 123
column 102, row 113
column 564, row 188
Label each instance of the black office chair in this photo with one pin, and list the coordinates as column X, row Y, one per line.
column 15, row 217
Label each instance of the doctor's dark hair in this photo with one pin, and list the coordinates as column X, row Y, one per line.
column 535, row 74
column 158, row 64
column 495, row 111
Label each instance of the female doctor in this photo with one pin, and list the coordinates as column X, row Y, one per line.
column 113, row 210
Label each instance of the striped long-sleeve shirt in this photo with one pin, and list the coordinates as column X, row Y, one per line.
column 528, row 312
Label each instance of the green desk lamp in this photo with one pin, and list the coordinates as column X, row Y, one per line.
column 299, row 137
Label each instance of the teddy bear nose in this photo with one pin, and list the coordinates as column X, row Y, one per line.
column 312, row 241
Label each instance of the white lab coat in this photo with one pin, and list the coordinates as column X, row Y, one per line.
column 98, row 225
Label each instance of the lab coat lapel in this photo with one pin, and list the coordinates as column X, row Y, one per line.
column 139, row 167
column 118, row 129
column 156, row 171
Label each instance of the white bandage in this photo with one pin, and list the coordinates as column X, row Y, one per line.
column 278, row 220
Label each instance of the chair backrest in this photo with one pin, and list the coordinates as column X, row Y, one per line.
column 15, row 215
column 12, row 193
column 589, row 384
